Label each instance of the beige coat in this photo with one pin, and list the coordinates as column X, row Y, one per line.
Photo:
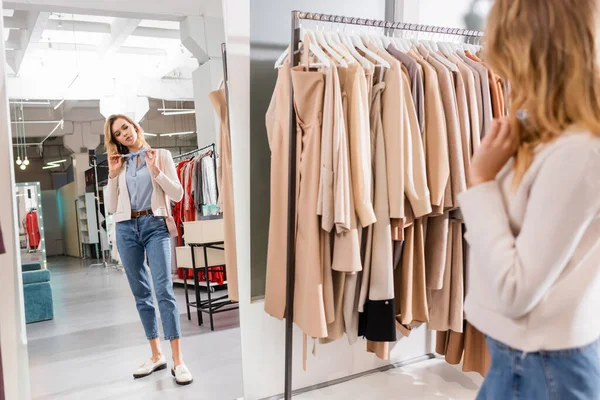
column 278, row 131
column 435, row 137
column 309, row 309
column 457, row 168
column 346, row 251
column 357, row 126
column 225, row 175
column 472, row 102
column 393, row 131
column 334, row 183
column 415, row 170
column 446, row 304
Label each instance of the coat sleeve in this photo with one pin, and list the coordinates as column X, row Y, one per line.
column 112, row 197
column 167, row 178
column 518, row 271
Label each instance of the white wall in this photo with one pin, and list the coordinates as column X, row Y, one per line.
column 448, row 13
column 13, row 338
column 262, row 336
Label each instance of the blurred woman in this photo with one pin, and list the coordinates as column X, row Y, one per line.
column 533, row 209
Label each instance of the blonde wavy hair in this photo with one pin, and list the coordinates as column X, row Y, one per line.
column 111, row 144
column 547, row 50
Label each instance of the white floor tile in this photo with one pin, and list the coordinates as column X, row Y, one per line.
column 428, row 380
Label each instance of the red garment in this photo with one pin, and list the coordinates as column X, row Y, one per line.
column 177, row 208
column 217, row 277
column 190, row 207
column 33, row 232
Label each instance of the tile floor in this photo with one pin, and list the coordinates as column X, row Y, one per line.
column 428, row 380
column 95, row 342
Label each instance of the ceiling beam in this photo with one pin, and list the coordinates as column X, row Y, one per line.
column 15, row 23
column 60, row 46
column 119, row 32
column 142, row 51
column 156, row 32
column 78, row 26
column 36, row 23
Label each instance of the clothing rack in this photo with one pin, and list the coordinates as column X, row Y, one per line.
column 213, row 148
column 297, row 17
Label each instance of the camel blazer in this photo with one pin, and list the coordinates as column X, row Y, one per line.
column 165, row 186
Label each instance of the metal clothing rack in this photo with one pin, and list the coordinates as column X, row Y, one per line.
column 211, row 146
column 298, row 16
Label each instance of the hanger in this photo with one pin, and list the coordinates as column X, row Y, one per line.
column 334, row 41
column 320, row 39
column 386, row 41
column 361, row 46
column 317, row 51
column 346, row 42
column 282, row 58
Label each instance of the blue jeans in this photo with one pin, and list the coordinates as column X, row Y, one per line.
column 149, row 234
column 572, row 374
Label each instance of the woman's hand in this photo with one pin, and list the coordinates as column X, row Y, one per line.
column 151, row 155
column 115, row 162
column 497, row 147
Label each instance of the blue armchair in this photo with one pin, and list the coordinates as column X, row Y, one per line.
column 37, row 293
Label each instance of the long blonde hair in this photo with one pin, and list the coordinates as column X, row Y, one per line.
column 547, row 50
column 111, row 144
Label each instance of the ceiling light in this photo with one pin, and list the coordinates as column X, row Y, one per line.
column 40, row 122
column 26, row 162
column 33, row 103
column 19, row 162
column 182, row 112
column 150, row 134
column 23, row 167
column 53, row 164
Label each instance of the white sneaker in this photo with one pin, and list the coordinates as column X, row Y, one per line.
column 150, row 366
column 182, row 375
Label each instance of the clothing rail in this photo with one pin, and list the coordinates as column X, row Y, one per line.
column 403, row 26
column 211, row 146
column 298, row 16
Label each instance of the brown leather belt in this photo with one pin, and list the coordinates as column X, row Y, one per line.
column 137, row 214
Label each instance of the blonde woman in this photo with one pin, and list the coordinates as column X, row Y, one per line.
column 138, row 195
column 533, row 210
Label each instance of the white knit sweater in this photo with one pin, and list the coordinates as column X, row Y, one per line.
column 534, row 274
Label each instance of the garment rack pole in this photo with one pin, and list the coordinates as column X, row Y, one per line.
column 189, row 153
column 297, row 16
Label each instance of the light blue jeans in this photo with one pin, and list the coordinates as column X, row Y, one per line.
column 572, row 374
column 149, row 234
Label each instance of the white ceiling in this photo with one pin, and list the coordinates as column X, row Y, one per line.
column 52, row 49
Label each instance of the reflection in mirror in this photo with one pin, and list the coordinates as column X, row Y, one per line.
column 115, row 305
